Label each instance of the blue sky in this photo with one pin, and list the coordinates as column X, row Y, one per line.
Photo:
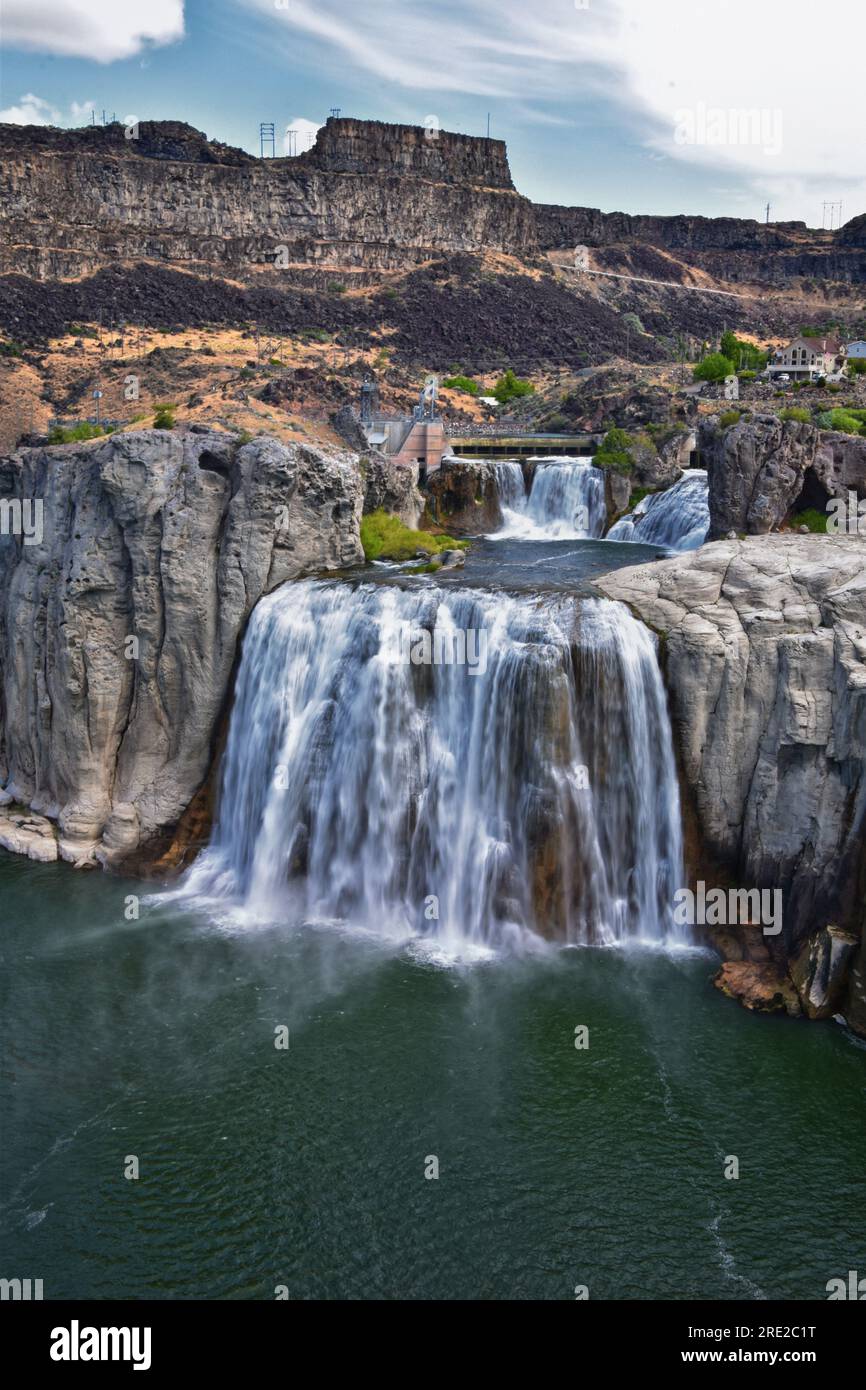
column 640, row 105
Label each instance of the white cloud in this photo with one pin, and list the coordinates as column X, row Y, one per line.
column 31, row 110
column 103, row 30
column 654, row 59
column 34, row 110
column 305, row 135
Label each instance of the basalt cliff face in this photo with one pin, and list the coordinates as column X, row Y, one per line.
column 764, row 470
column 367, row 195
column 764, row 647
column 119, row 624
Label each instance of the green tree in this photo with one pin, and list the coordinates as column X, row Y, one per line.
column 510, row 387
column 714, row 367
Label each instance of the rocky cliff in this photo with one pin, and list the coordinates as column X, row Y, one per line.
column 762, row 471
column 731, row 248
column 367, row 195
column 764, row 645
column 119, row 624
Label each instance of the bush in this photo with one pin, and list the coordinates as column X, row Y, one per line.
column 337, row 287
column 798, row 413
column 558, row 424
column 510, row 387
column 85, row 430
column 846, row 421
column 857, row 366
column 164, row 417
column 614, row 452
column 384, row 537
column 461, row 383
column 728, row 418
column 715, row 367
column 10, row 349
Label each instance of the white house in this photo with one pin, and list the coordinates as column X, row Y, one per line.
column 807, row 359
column 857, row 349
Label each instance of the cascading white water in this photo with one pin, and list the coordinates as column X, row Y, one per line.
column 530, row 791
column 678, row 518
column 565, row 502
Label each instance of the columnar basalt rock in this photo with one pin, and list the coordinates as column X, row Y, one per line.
column 118, row 633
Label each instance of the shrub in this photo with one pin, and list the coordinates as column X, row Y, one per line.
column 510, row 387
column 164, row 417
column 728, row 418
column 77, row 433
column 846, row 421
column 461, row 383
column 798, row 413
column 857, row 366
column 715, row 367
column 337, row 287
column 558, row 424
column 614, row 452
column 384, row 537
column 10, row 349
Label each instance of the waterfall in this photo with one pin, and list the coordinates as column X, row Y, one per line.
column 510, row 486
column 565, row 502
column 481, row 768
column 678, row 518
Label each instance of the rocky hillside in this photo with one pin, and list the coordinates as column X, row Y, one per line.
column 119, row 631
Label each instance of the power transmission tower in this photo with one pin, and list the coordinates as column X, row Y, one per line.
column 266, row 137
column 336, row 112
column 291, row 143
column 833, row 210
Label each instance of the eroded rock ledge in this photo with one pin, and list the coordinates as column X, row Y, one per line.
column 119, row 631
column 764, row 648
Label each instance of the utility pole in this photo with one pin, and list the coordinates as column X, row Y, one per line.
column 768, row 214
column 488, row 125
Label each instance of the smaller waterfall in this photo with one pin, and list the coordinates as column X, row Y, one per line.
column 678, row 518
column 565, row 502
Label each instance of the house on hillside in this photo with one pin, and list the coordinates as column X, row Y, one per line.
column 807, row 359
column 857, row 349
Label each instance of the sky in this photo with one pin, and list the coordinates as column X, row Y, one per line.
column 658, row 106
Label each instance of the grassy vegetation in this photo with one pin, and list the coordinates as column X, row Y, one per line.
column 729, row 418
column 461, row 383
column 815, row 520
column 384, row 537
column 798, row 413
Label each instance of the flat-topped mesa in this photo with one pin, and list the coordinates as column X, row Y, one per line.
column 346, row 146
column 163, row 192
